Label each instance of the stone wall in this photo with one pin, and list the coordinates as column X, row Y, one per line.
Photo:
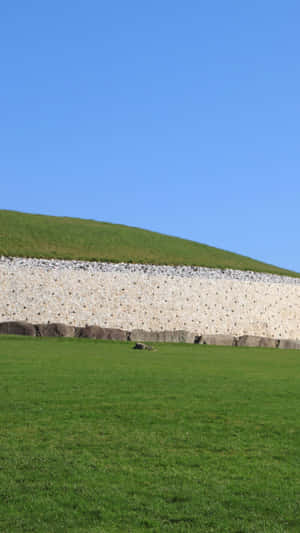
column 127, row 297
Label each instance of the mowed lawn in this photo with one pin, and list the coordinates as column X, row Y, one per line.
column 96, row 437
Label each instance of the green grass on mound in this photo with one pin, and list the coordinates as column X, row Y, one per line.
column 98, row 438
column 28, row 235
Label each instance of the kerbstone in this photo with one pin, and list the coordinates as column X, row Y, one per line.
column 17, row 328
column 256, row 341
column 96, row 332
column 162, row 336
column 55, row 330
column 218, row 340
column 289, row 344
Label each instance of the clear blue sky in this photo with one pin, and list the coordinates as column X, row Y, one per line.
column 180, row 117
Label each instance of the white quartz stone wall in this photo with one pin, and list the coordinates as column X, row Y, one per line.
column 203, row 301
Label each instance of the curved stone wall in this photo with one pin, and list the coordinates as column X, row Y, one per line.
column 199, row 300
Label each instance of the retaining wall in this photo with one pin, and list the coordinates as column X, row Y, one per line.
column 150, row 298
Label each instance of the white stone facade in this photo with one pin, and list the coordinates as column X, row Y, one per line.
column 204, row 301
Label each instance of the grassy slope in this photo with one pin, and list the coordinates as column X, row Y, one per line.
column 28, row 235
column 98, row 438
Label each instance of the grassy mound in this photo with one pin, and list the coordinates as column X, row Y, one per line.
column 27, row 235
column 98, row 438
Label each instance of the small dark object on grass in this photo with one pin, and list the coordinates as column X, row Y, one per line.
column 142, row 346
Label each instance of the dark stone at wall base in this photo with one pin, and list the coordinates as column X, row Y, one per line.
column 255, row 341
column 288, row 344
column 162, row 336
column 95, row 332
column 17, row 328
column 55, row 330
column 217, row 340
column 77, row 331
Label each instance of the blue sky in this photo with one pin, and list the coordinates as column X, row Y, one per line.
column 180, row 117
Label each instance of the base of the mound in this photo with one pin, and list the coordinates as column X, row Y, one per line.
column 138, row 335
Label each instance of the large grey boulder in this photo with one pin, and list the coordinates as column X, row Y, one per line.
column 96, row 332
column 142, row 346
column 289, row 344
column 17, row 328
column 162, row 336
column 217, row 340
column 55, row 330
column 255, row 341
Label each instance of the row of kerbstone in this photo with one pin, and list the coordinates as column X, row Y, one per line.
column 97, row 332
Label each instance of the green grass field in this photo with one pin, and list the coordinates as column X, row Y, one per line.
column 99, row 438
column 26, row 235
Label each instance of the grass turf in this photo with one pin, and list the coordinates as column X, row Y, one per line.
column 27, row 235
column 99, row 438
